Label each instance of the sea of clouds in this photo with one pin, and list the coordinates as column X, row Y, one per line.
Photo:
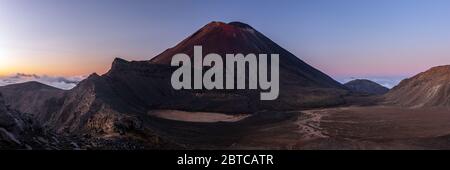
column 60, row 82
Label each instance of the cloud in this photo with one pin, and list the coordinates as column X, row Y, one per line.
column 65, row 83
column 387, row 81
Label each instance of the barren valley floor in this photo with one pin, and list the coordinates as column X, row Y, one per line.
column 374, row 127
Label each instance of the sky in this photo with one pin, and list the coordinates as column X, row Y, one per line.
column 387, row 39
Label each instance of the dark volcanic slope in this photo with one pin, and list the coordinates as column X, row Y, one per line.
column 366, row 86
column 428, row 89
column 9, row 127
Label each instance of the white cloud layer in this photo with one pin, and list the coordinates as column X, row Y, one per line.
column 65, row 83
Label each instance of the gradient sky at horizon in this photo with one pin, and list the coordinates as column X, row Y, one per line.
column 358, row 38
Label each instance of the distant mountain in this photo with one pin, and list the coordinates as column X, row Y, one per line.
column 427, row 89
column 366, row 86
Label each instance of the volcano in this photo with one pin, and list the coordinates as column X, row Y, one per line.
column 427, row 89
column 237, row 37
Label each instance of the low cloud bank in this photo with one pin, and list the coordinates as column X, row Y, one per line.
column 65, row 83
